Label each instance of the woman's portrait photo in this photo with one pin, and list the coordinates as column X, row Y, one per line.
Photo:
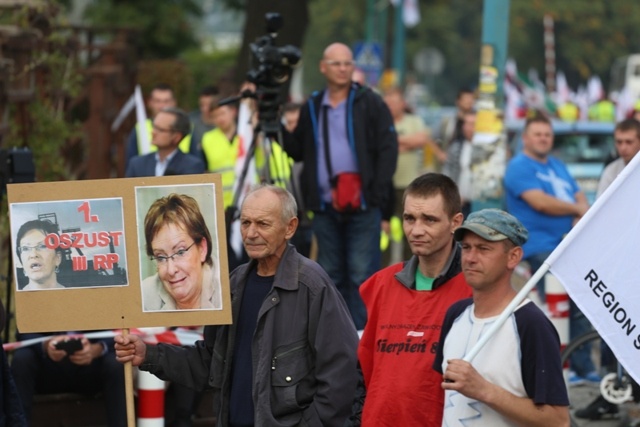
column 68, row 244
column 40, row 264
column 180, row 267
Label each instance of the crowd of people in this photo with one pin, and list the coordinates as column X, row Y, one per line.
column 292, row 355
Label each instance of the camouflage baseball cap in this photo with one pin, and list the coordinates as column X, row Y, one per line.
column 494, row 225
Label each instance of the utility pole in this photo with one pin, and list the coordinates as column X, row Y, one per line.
column 490, row 140
column 398, row 43
column 549, row 53
column 369, row 25
column 495, row 34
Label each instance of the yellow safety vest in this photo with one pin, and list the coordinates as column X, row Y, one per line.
column 568, row 112
column 221, row 158
column 184, row 145
column 280, row 165
column 603, row 111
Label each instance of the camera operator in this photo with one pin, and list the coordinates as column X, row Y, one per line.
column 361, row 145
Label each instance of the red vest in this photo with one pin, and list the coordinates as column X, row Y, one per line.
column 398, row 347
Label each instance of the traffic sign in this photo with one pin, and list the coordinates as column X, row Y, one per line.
column 368, row 58
column 429, row 61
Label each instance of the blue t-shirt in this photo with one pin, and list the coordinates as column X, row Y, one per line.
column 524, row 174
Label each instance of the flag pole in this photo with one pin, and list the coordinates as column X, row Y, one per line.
column 515, row 302
column 141, row 119
column 128, row 388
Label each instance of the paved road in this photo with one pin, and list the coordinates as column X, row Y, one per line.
column 580, row 396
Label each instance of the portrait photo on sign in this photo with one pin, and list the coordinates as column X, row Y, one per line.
column 68, row 244
column 179, row 248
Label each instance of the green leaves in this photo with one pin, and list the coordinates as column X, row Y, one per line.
column 166, row 27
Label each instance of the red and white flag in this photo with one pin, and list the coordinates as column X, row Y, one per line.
column 245, row 134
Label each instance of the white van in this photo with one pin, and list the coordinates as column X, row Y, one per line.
column 626, row 71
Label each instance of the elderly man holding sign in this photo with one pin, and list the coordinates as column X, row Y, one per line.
column 289, row 358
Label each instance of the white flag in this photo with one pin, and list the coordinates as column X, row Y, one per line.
column 410, row 11
column 144, row 144
column 625, row 103
column 245, row 133
column 581, row 99
column 598, row 267
column 124, row 112
column 562, row 89
column 595, row 91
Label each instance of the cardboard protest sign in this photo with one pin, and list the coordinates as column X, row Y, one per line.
column 83, row 250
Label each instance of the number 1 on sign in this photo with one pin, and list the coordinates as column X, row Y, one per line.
column 86, row 209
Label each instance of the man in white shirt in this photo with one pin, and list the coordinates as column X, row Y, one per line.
column 627, row 137
column 516, row 378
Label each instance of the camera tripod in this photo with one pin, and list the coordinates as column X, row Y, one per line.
column 267, row 131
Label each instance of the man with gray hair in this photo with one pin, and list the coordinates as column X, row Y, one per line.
column 289, row 357
column 516, row 378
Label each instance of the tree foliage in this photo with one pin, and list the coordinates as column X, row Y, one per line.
column 41, row 123
column 589, row 36
column 332, row 21
column 166, row 27
column 295, row 15
column 454, row 28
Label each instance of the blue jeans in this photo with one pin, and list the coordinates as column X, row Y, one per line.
column 535, row 262
column 581, row 361
column 349, row 251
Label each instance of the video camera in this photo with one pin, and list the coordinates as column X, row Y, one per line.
column 271, row 66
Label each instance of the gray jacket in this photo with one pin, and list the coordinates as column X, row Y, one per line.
column 304, row 351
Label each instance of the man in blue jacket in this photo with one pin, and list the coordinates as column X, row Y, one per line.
column 345, row 130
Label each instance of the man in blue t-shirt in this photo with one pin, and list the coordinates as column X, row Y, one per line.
column 542, row 194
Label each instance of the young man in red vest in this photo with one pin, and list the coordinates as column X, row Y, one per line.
column 406, row 304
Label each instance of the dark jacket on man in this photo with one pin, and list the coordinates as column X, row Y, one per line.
column 304, row 351
column 180, row 164
column 370, row 130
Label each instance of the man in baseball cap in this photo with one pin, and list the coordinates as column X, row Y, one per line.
column 494, row 225
column 516, row 377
